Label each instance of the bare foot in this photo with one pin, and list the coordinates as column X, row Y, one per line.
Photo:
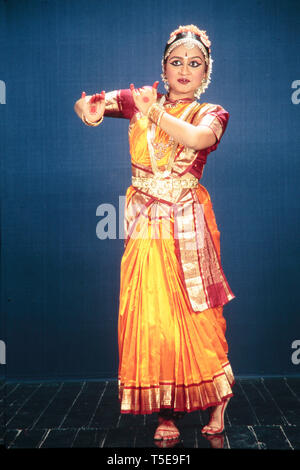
column 216, row 422
column 166, row 430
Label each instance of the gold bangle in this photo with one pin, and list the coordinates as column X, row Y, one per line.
column 90, row 123
column 155, row 113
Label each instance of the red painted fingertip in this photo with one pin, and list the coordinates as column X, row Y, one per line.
column 155, row 85
column 131, row 86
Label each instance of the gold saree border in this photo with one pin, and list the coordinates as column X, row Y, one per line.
column 179, row 397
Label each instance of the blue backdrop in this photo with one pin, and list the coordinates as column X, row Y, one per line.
column 60, row 281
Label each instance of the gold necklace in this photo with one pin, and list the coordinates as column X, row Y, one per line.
column 160, row 148
column 151, row 137
column 173, row 104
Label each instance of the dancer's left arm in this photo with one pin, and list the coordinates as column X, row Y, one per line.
column 195, row 137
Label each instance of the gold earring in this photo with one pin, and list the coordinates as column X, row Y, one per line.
column 166, row 83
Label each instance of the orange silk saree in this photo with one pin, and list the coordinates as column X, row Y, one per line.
column 172, row 345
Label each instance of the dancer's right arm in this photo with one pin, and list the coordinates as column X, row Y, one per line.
column 90, row 108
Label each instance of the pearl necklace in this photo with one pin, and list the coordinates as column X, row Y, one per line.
column 150, row 138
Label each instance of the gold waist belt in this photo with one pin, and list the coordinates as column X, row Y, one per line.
column 157, row 184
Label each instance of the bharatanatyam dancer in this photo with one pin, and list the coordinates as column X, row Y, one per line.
column 171, row 330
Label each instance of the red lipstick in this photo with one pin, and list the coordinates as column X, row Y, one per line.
column 183, row 81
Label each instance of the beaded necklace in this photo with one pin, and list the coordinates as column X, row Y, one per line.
column 151, row 137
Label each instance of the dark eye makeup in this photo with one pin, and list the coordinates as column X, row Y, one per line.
column 177, row 62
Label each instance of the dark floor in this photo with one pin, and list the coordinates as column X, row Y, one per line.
column 263, row 414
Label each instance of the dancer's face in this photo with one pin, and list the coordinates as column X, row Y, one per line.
column 185, row 69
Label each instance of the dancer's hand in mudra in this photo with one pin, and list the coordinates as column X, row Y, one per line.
column 93, row 106
column 144, row 97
